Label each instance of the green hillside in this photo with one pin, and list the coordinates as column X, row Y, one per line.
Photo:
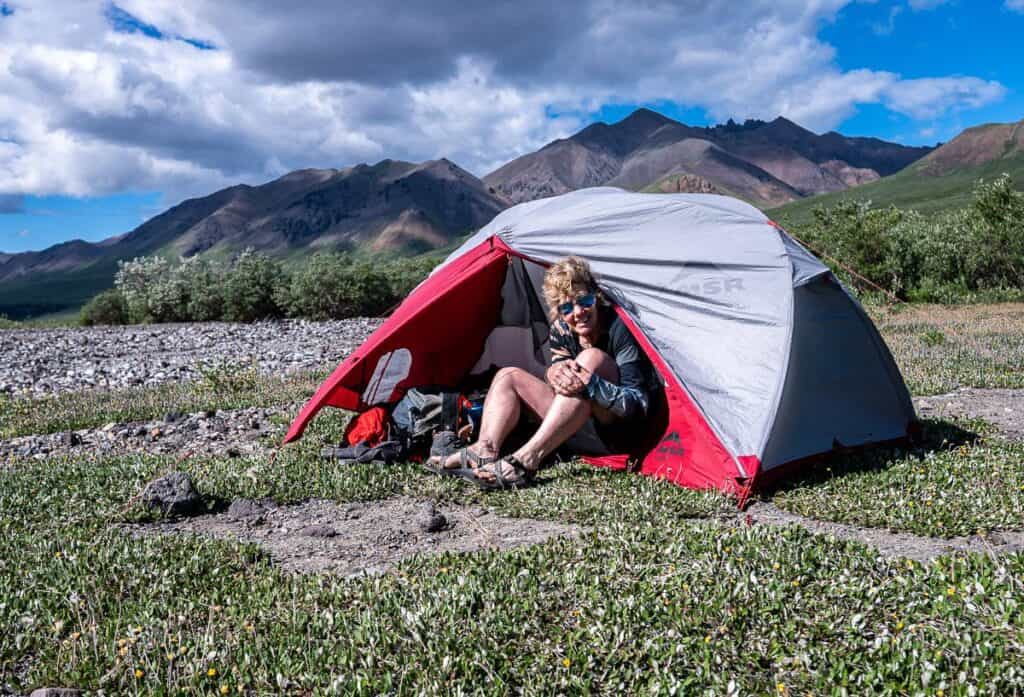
column 907, row 188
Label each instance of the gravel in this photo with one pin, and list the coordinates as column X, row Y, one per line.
column 225, row 432
column 39, row 362
column 360, row 538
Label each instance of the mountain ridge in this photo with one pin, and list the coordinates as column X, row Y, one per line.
column 395, row 206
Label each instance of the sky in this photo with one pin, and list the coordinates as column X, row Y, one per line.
column 112, row 112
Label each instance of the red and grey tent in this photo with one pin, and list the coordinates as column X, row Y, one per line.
column 767, row 360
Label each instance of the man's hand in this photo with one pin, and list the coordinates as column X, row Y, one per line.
column 568, row 378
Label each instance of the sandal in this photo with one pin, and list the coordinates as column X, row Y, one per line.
column 524, row 475
column 469, row 461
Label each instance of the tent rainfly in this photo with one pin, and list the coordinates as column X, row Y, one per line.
column 767, row 360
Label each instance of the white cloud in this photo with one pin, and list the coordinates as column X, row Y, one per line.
column 889, row 26
column 87, row 110
column 23, row 233
column 927, row 4
column 927, row 98
column 1016, row 5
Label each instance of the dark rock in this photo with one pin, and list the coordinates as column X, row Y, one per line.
column 70, row 439
column 429, row 519
column 318, row 531
column 233, row 452
column 173, row 493
column 247, row 508
column 173, row 416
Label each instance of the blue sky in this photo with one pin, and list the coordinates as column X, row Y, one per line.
column 112, row 112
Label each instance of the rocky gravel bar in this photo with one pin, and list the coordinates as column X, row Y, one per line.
column 221, row 432
column 39, row 362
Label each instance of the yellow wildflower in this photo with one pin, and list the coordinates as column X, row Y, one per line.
column 212, row 672
column 566, row 662
column 224, row 689
column 139, row 672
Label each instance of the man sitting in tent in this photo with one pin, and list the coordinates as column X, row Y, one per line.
column 598, row 385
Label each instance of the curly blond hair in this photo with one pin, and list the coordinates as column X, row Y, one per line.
column 566, row 279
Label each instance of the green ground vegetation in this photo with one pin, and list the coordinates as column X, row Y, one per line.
column 642, row 602
column 942, row 347
column 907, row 189
column 665, row 590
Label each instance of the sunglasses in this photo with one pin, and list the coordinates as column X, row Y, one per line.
column 584, row 301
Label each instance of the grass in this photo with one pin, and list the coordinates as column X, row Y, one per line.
column 222, row 386
column 643, row 603
column 666, row 592
column 942, row 347
column 946, row 488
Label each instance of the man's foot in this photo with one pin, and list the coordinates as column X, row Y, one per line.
column 476, row 455
column 513, row 469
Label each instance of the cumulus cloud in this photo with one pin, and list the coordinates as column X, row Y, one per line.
column 98, row 97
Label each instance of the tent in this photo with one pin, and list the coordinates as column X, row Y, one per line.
column 767, row 360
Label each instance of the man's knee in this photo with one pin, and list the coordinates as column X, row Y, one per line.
column 508, row 377
column 597, row 361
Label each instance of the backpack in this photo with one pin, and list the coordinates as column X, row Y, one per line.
column 422, row 412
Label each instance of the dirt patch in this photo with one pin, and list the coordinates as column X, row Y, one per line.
column 888, row 543
column 1001, row 407
column 356, row 538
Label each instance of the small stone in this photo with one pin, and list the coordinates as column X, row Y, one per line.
column 173, row 416
column 429, row 519
column 233, row 452
column 156, row 433
column 246, row 508
column 173, row 493
column 70, row 439
column 318, row 531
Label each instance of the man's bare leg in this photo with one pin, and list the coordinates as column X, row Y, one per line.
column 563, row 417
column 510, row 390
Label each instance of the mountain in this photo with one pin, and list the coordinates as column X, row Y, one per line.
column 941, row 180
column 390, row 206
column 766, row 163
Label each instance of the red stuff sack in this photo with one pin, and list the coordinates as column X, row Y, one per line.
column 369, row 427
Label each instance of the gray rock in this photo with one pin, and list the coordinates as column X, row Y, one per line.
column 172, row 493
column 55, row 692
column 70, row 439
column 247, row 508
column 319, row 530
column 429, row 519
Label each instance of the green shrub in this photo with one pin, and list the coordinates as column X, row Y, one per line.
column 204, row 281
column 252, row 286
column 974, row 252
column 109, row 307
column 332, row 286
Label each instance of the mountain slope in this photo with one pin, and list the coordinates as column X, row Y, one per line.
column 767, row 163
column 391, row 206
column 942, row 180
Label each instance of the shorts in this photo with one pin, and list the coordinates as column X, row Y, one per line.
column 587, row 440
